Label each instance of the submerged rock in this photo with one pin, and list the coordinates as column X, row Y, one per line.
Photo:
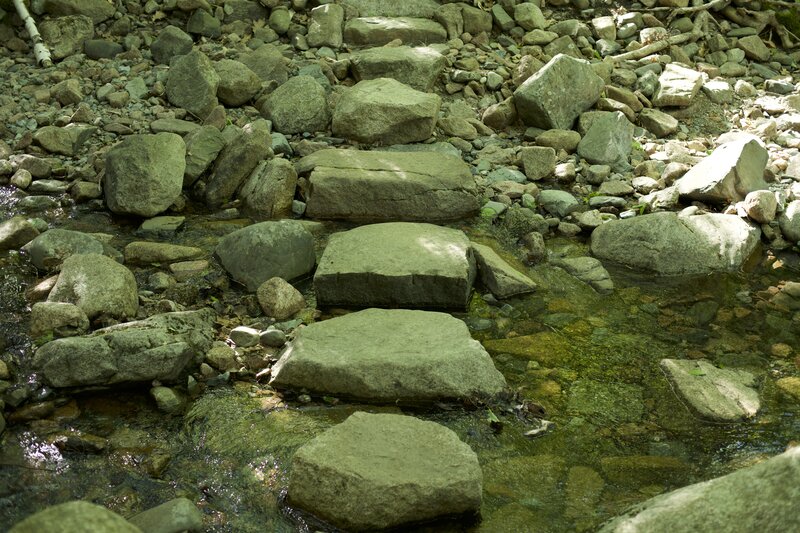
column 75, row 517
column 381, row 471
column 503, row 280
column 175, row 515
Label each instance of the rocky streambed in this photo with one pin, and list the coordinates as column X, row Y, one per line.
column 443, row 266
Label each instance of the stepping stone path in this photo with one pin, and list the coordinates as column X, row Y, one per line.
column 419, row 68
column 378, row 31
column 408, row 356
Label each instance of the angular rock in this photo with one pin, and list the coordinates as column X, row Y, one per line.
column 558, row 203
column 98, row 285
column 146, row 253
column 97, row 10
column 419, row 68
column 667, row 244
column 608, row 141
column 677, row 86
column 144, row 174
column 65, row 35
column 57, row 318
column 754, row 48
column 171, row 42
column 325, row 26
column 396, row 264
column 237, row 160
column 268, row 63
column 370, row 186
column 411, row 357
column 503, row 280
column 65, row 141
column 385, row 111
column 392, row 8
column 790, row 221
column 377, row 31
column 158, row 347
column 75, row 517
column 279, row 299
column 529, row 16
column 269, row 191
column 16, row 232
column 203, row 23
column 657, row 122
column 761, row 206
column 541, row 100
column 538, row 161
column 237, row 83
column 299, row 105
column 203, row 145
column 175, row 515
column 192, row 83
column 732, row 171
column 588, row 270
column 49, row 249
column 258, row 252
column 376, row 471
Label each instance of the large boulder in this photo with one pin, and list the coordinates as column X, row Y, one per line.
column 299, row 105
column 731, row 171
column 409, row 356
column 192, row 83
column 377, row 31
column 158, row 347
column 75, row 517
column 608, row 140
column 542, row 100
column 667, row 244
column 258, row 252
column 97, row 10
column 378, row 471
column 758, row 498
column 50, row 248
column 392, row 8
column 396, row 264
column 203, row 145
column 171, row 41
column 237, row 83
column 65, row 35
column 98, row 285
column 385, row 111
column 385, row 186
column 144, row 174
column 325, row 26
column 419, row 68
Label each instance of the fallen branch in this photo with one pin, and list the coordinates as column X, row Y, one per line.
column 716, row 5
column 696, row 33
column 40, row 50
column 759, row 20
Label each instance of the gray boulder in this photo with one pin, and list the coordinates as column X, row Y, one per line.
column 65, row 141
column 268, row 63
column 790, row 221
column 325, row 26
column 728, row 174
column 97, row 10
column 384, row 186
column 385, row 111
column 718, row 394
column 667, row 244
column 75, row 517
column 237, row 83
column 171, row 41
column 98, row 285
column 503, row 280
column 377, row 31
column 757, row 498
column 254, row 254
column 65, row 35
column 608, row 141
column 50, row 248
column 16, row 232
column 158, row 347
column 144, row 174
column 558, row 203
column 541, row 100
column 377, row 471
column 396, row 264
column 419, row 68
column 677, row 86
column 279, row 299
column 299, row 105
column 269, row 191
column 59, row 319
column 409, row 356
column 237, row 160
column 192, row 83
column 203, row 145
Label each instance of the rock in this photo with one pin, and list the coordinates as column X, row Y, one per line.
column 589, row 270
column 538, row 161
column 558, row 203
column 98, row 285
column 718, row 394
column 376, row 471
column 222, row 357
column 608, row 141
column 391, row 8
column 657, row 122
column 65, row 141
column 148, row 253
column 754, row 48
column 269, row 190
column 756, row 497
column 542, row 102
column 245, row 10
column 75, row 517
column 419, row 68
column 325, row 26
column 49, row 249
column 97, row 10
column 244, row 337
column 158, row 347
column 529, row 16
column 169, row 401
column 299, row 105
column 144, row 174
column 732, row 171
column 377, row 31
column 421, row 186
column 16, row 232
column 67, row 92
column 677, row 86
column 268, row 63
column 171, row 42
column 789, row 386
column 761, row 206
column 667, row 244
column 790, row 221
column 237, row 83
column 457, row 127
column 558, row 140
column 409, row 357
column 203, row 23
column 173, row 516
column 279, row 299
column 192, row 83
column 501, row 115
column 57, row 318
column 258, row 252
column 273, row 337
column 236, row 161
column 385, row 111
column 101, row 49
column 503, row 280
column 65, row 35
column 203, row 145
column 174, row 125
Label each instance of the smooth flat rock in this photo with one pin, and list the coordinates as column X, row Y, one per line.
column 377, row 31
column 731, row 171
column 391, row 8
column 503, row 280
column 419, row 67
column 757, row 498
column 49, row 249
column 384, row 186
column 144, row 252
column 677, row 86
column 75, row 517
column 409, row 357
column 667, row 244
column 376, row 471
column 541, row 100
column 719, row 394
column 396, row 264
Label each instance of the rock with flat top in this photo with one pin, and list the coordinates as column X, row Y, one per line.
column 377, row 31
column 75, row 517
column 503, row 280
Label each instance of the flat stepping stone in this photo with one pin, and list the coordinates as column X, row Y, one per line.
column 408, row 356
column 386, row 186
column 416, row 67
column 396, row 264
column 720, row 394
column 377, row 31
column 376, row 471
column 144, row 252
